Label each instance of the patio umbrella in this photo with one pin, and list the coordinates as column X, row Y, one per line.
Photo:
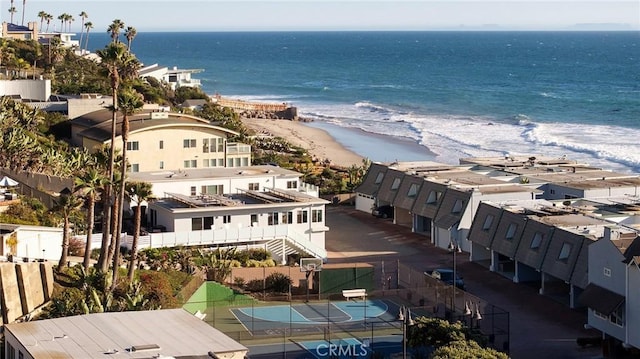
column 8, row 182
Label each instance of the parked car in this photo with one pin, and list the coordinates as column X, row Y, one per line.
column 385, row 211
column 446, row 275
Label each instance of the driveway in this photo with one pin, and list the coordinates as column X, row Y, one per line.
column 539, row 326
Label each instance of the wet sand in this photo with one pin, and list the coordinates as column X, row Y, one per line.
column 341, row 146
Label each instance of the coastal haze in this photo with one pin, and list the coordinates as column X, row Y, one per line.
column 457, row 94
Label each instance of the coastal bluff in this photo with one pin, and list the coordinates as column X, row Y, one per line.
column 252, row 109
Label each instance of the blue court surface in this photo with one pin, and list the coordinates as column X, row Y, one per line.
column 314, row 317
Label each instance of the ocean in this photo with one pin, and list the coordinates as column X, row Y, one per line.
column 456, row 94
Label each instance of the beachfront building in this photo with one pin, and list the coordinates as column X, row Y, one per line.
column 435, row 199
column 167, row 333
column 256, row 206
column 174, row 77
column 28, row 243
column 20, row 32
column 612, row 301
column 543, row 242
column 163, row 141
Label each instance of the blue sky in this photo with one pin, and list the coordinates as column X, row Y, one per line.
column 245, row 15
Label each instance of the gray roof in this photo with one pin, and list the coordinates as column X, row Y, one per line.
column 556, row 266
column 446, row 216
column 171, row 332
column 404, row 199
column 369, row 185
column 97, row 124
column 386, row 193
column 477, row 233
column 508, row 233
column 421, row 207
column 534, row 231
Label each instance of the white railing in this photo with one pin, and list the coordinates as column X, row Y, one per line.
column 228, row 237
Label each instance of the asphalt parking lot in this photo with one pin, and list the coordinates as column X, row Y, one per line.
column 540, row 327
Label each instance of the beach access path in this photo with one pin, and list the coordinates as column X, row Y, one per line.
column 318, row 142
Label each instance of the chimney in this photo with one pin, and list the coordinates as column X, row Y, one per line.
column 611, row 233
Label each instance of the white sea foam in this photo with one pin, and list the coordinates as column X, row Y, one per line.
column 451, row 137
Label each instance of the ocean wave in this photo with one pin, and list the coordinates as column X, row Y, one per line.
column 452, row 136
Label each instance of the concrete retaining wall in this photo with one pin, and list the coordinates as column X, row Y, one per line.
column 24, row 287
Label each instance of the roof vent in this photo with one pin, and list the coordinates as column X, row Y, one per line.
column 137, row 348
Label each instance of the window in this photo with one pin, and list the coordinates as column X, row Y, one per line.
column 189, row 143
column 245, row 161
column 254, row 220
column 273, row 219
column 607, row 272
column 565, row 251
column 379, row 178
column 617, row 317
column 292, row 184
column 11, row 353
column 220, row 162
column 287, row 217
column 434, row 197
column 511, row 231
column 413, row 190
column 302, row 217
column 209, row 145
column 135, row 167
column 220, row 145
column 254, row 186
column 212, row 189
column 20, row 355
column 488, row 220
column 537, row 240
column 161, row 144
column 196, row 224
column 457, row 207
column 226, row 219
column 193, row 190
column 133, row 146
column 161, row 165
column 191, row 164
column 552, row 191
column 316, row 215
column 208, row 222
column 395, row 184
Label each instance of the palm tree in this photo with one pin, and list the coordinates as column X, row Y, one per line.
column 129, row 101
column 130, row 33
column 24, row 2
column 87, row 25
column 62, row 18
column 68, row 19
column 138, row 193
column 90, row 183
column 114, row 29
column 83, row 15
column 49, row 17
column 12, row 10
column 120, row 66
column 67, row 204
column 42, row 15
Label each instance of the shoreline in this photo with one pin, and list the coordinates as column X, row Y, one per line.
column 341, row 146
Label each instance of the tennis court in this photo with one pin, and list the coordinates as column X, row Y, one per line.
column 315, row 317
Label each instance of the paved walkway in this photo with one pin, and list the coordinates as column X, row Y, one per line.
column 540, row 327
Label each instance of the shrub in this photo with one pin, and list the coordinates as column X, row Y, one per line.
column 239, row 281
column 255, row 285
column 278, row 283
column 252, row 263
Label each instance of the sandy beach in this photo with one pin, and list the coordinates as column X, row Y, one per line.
column 318, row 142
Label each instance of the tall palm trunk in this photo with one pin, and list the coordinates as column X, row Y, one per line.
column 104, row 255
column 123, row 173
column 65, row 243
column 134, row 243
column 90, row 222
